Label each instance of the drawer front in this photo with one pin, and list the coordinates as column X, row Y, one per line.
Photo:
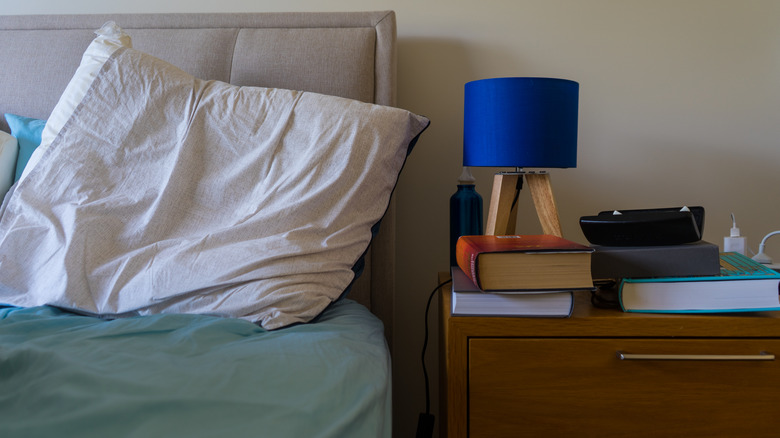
column 580, row 387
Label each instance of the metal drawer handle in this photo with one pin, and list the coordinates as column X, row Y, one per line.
column 762, row 356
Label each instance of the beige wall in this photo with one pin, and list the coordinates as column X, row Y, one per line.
column 679, row 105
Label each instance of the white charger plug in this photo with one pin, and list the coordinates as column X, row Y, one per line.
column 735, row 242
column 761, row 257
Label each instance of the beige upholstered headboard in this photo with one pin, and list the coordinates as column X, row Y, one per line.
column 349, row 54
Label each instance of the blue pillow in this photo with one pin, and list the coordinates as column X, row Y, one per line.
column 28, row 133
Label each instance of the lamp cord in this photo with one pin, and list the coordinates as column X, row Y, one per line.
column 425, row 346
column 426, row 421
column 518, row 187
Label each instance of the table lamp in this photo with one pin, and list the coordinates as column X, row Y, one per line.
column 521, row 122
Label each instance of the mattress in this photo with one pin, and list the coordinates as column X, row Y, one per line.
column 64, row 374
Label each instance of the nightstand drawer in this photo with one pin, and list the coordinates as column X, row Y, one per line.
column 580, row 387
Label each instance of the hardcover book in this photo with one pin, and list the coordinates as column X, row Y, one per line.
column 743, row 285
column 685, row 260
column 526, row 262
column 468, row 299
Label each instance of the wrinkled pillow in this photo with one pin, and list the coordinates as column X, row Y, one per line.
column 109, row 38
column 200, row 197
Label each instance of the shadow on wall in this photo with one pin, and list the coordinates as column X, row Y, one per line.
column 431, row 74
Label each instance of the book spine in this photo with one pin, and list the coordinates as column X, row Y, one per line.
column 466, row 256
column 473, row 265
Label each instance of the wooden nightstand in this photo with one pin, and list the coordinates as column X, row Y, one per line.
column 547, row 377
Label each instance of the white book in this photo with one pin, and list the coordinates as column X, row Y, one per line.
column 470, row 300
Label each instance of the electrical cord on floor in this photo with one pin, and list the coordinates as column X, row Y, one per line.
column 426, row 420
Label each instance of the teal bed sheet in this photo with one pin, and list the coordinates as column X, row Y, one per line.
column 66, row 375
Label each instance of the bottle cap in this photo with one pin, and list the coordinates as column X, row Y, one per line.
column 466, row 177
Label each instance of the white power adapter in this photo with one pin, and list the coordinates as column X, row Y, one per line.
column 735, row 242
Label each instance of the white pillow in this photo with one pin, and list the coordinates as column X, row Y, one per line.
column 200, row 197
column 109, row 38
column 9, row 150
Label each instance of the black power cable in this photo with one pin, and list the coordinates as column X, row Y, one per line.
column 426, row 420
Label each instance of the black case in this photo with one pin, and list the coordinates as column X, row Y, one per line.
column 646, row 227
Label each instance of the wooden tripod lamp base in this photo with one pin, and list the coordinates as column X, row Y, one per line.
column 502, row 213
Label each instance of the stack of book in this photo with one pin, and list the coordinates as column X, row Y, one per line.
column 687, row 278
column 528, row 275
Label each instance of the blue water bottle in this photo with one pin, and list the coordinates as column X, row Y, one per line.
column 465, row 212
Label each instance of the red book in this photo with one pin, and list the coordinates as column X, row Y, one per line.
column 525, row 262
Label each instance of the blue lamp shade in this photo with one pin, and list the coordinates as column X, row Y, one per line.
column 521, row 122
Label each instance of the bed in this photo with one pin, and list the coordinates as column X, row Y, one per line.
column 196, row 237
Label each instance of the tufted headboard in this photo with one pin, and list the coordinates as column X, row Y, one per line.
column 350, row 54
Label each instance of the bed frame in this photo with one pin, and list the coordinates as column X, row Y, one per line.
column 346, row 54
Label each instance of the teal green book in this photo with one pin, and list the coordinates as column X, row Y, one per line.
column 743, row 285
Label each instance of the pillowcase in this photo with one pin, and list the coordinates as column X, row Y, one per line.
column 28, row 133
column 9, row 150
column 109, row 38
column 200, row 197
